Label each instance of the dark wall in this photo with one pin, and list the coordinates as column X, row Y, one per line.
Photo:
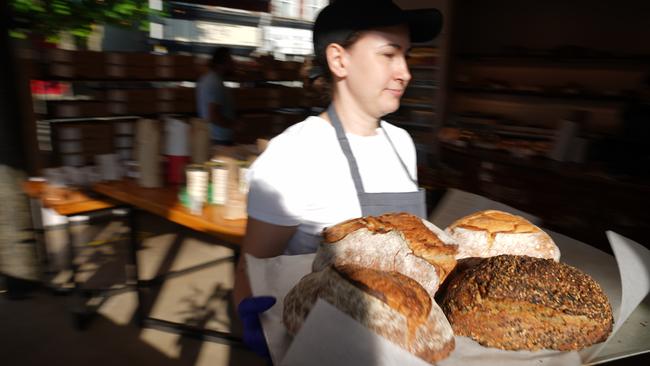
column 617, row 26
column 11, row 152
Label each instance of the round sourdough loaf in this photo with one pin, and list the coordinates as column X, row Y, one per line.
column 398, row 242
column 490, row 233
column 388, row 303
column 525, row 303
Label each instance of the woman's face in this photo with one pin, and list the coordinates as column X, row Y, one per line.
column 378, row 73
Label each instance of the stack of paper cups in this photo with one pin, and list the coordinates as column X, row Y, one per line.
column 176, row 149
column 176, row 137
column 197, row 187
column 219, row 181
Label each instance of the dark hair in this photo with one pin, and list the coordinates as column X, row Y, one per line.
column 220, row 56
column 320, row 58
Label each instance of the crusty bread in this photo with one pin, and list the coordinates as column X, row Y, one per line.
column 490, row 233
column 397, row 242
column 388, row 303
column 525, row 303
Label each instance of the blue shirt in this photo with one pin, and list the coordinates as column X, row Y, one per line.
column 210, row 89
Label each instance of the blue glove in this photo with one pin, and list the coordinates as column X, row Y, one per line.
column 249, row 310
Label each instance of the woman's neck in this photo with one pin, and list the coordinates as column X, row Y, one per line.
column 354, row 119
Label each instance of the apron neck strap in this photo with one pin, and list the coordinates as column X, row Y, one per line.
column 347, row 151
column 345, row 146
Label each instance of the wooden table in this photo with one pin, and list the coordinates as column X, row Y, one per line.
column 164, row 202
column 68, row 202
column 64, row 200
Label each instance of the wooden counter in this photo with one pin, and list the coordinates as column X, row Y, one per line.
column 65, row 201
column 164, row 202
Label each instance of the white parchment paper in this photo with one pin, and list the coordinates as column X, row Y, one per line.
column 331, row 337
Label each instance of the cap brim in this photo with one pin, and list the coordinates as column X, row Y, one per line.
column 424, row 24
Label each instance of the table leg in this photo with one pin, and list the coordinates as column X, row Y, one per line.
column 39, row 235
column 132, row 273
column 81, row 313
column 71, row 254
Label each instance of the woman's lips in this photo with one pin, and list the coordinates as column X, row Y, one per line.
column 396, row 92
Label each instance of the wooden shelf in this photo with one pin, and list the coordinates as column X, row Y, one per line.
column 424, row 67
column 568, row 197
column 549, row 95
column 429, row 87
column 417, row 105
column 623, row 62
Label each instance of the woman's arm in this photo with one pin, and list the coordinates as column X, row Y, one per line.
column 262, row 240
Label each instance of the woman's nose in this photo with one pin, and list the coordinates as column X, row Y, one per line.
column 402, row 71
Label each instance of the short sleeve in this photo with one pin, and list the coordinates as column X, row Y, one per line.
column 276, row 184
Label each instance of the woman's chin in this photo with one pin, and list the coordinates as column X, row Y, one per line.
column 390, row 107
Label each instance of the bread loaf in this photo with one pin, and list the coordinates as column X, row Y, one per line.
column 525, row 303
column 398, row 242
column 490, row 233
column 388, row 303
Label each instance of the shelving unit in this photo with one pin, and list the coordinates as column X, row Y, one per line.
column 107, row 91
column 577, row 200
column 541, row 91
column 513, row 90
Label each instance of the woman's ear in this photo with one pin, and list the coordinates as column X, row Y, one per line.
column 336, row 60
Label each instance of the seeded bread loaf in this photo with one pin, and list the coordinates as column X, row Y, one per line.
column 397, row 242
column 490, row 233
column 388, row 303
column 525, row 303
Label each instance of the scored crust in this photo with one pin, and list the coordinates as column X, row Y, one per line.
column 398, row 242
column 491, row 232
column 525, row 303
column 388, row 303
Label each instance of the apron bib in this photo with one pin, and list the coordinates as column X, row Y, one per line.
column 374, row 204
column 382, row 202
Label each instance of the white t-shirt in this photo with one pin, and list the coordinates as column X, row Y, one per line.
column 303, row 177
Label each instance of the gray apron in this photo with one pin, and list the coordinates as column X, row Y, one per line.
column 383, row 202
column 371, row 203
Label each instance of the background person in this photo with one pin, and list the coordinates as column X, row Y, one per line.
column 214, row 100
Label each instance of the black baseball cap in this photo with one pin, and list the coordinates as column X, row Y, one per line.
column 337, row 21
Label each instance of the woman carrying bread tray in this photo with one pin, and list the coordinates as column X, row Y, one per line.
column 345, row 162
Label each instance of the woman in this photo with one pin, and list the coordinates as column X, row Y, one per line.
column 346, row 162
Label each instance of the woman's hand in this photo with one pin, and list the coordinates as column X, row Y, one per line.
column 249, row 311
column 262, row 240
